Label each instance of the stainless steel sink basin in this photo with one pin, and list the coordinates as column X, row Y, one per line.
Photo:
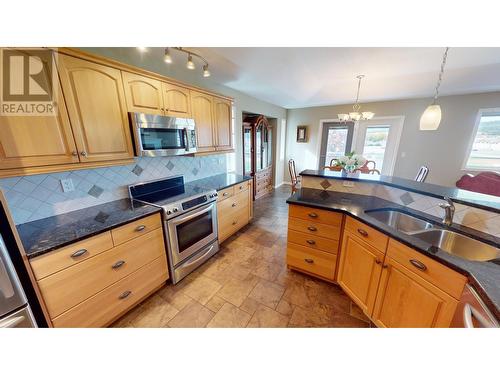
column 459, row 245
column 401, row 221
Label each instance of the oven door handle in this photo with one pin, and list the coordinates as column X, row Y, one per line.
column 200, row 259
column 195, row 213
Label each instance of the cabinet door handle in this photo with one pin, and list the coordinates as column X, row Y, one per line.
column 234, row 204
column 385, row 266
column 363, row 232
column 311, row 242
column 140, row 228
column 125, row 294
column 225, row 194
column 118, row 264
column 418, row 264
column 241, row 187
column 313, row 215
column 74, row 153
column 79, row 253
column 378, row 261
column 234, row 222
column 309, row 260
column 83, row 153
column 312, row 229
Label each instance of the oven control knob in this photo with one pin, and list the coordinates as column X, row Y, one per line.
column 169, row 212
column 176, row 209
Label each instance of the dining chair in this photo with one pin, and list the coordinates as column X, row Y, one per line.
column 293, row 175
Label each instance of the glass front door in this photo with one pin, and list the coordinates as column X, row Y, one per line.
column 336, row 141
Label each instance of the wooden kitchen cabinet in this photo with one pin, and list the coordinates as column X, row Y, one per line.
column 94, row 281
column 359, row 272
column 202, row 110
column 223, row 124
column 143, row 94
column 234, row 210
column 97, row 109
column 176, row 100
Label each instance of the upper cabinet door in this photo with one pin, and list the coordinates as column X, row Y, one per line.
column 143, row 94
column 223, row 124
column 97, row 110
column 32, row 141
column 176, row 100
column 202, row 105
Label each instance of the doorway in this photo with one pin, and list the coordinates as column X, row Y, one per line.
column 376, row 139
column 258, row 153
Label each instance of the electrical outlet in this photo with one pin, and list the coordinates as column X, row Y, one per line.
column 349, row 184
column 67, row 185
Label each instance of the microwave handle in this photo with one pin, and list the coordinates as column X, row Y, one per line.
column 186, row 138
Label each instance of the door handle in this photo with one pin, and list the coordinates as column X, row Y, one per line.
column 312, row 229
column 418, row 264
column 125, row 294
column 78, row 253
column 309, row 260
column 311, row 242
column 313, row 215
column 363, row 232
column 234, row 204
column 140, row 228
column 11, row 323
column 118, row 264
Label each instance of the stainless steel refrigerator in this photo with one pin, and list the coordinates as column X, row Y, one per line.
column 15, row 311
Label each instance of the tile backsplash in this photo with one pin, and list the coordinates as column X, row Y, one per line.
column 39, row 196
column 475, row 218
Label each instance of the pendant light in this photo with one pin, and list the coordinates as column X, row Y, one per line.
column 431, row 117
column 355, row 115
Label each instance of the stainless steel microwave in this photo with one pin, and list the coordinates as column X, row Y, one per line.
column 156, row 135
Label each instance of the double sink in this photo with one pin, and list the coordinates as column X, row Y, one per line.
column 449, row 241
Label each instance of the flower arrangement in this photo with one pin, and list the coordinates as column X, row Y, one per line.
column 350, row 162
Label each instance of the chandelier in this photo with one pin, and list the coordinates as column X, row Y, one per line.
column 356, row 115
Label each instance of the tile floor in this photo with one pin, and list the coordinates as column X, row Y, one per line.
column 247, row 284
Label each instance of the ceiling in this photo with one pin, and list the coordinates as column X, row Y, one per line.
column 303, row 77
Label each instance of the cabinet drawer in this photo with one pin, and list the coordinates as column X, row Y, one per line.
column 312, row 228
column 232, row 204
column 365, row 232
column 107, row 305
column 316, row 215
column 136, row 228
column 230, row 224
column 312, row 261
column 72, row 285
column 313, row 242
column 225, row 193
column 436, row 273
column 241, row 187
column 70, row 255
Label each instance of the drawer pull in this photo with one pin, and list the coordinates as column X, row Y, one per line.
column 363, row 232
column 418, row 264
column 312, row 229
column 241, row 187
column 311, row 242
column 125, row 294
column 385, row 266
column 79, row 253
column 234, row 222
column 118, row 264
column 225, row 194
column 313, row 215
column 378, row 261
column 309, row 260
column 140, row 228
column 234, row 204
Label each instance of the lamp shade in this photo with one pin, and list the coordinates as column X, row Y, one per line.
column 431, row 117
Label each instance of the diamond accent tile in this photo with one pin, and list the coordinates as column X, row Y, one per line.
column 96, row 191
column 137, row 170
column 170, row 165
column 101, row 217
column 195, row 171
column 325, row 184
column 406, row 198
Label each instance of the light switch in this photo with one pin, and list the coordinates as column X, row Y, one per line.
column 67, row 185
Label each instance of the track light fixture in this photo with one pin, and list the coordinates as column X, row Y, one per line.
column 190, row 64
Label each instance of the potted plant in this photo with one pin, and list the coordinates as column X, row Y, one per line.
column 350, row 163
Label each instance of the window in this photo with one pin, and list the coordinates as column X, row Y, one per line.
column 484, row 151
column 375, row 144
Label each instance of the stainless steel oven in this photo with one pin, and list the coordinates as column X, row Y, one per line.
column 190, row 232
column 156, row 135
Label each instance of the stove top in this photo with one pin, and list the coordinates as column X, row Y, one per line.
column 172, row 195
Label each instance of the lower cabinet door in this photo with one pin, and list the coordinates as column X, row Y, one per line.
column 109, row 304
column 359, row 271
column 405, row 300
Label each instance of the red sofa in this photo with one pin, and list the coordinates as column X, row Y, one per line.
column 484, row 182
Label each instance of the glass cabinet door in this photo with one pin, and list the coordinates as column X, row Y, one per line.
column 247, row 151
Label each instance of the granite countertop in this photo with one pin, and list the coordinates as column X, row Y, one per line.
column 470, row 198
column 45, row 235
column 484, row 276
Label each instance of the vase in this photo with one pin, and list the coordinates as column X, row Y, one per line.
column 350, row 173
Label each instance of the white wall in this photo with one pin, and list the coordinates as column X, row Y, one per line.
column 443, row 150
column 153, row 61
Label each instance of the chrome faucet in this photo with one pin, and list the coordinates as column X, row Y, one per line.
column 449, row 211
